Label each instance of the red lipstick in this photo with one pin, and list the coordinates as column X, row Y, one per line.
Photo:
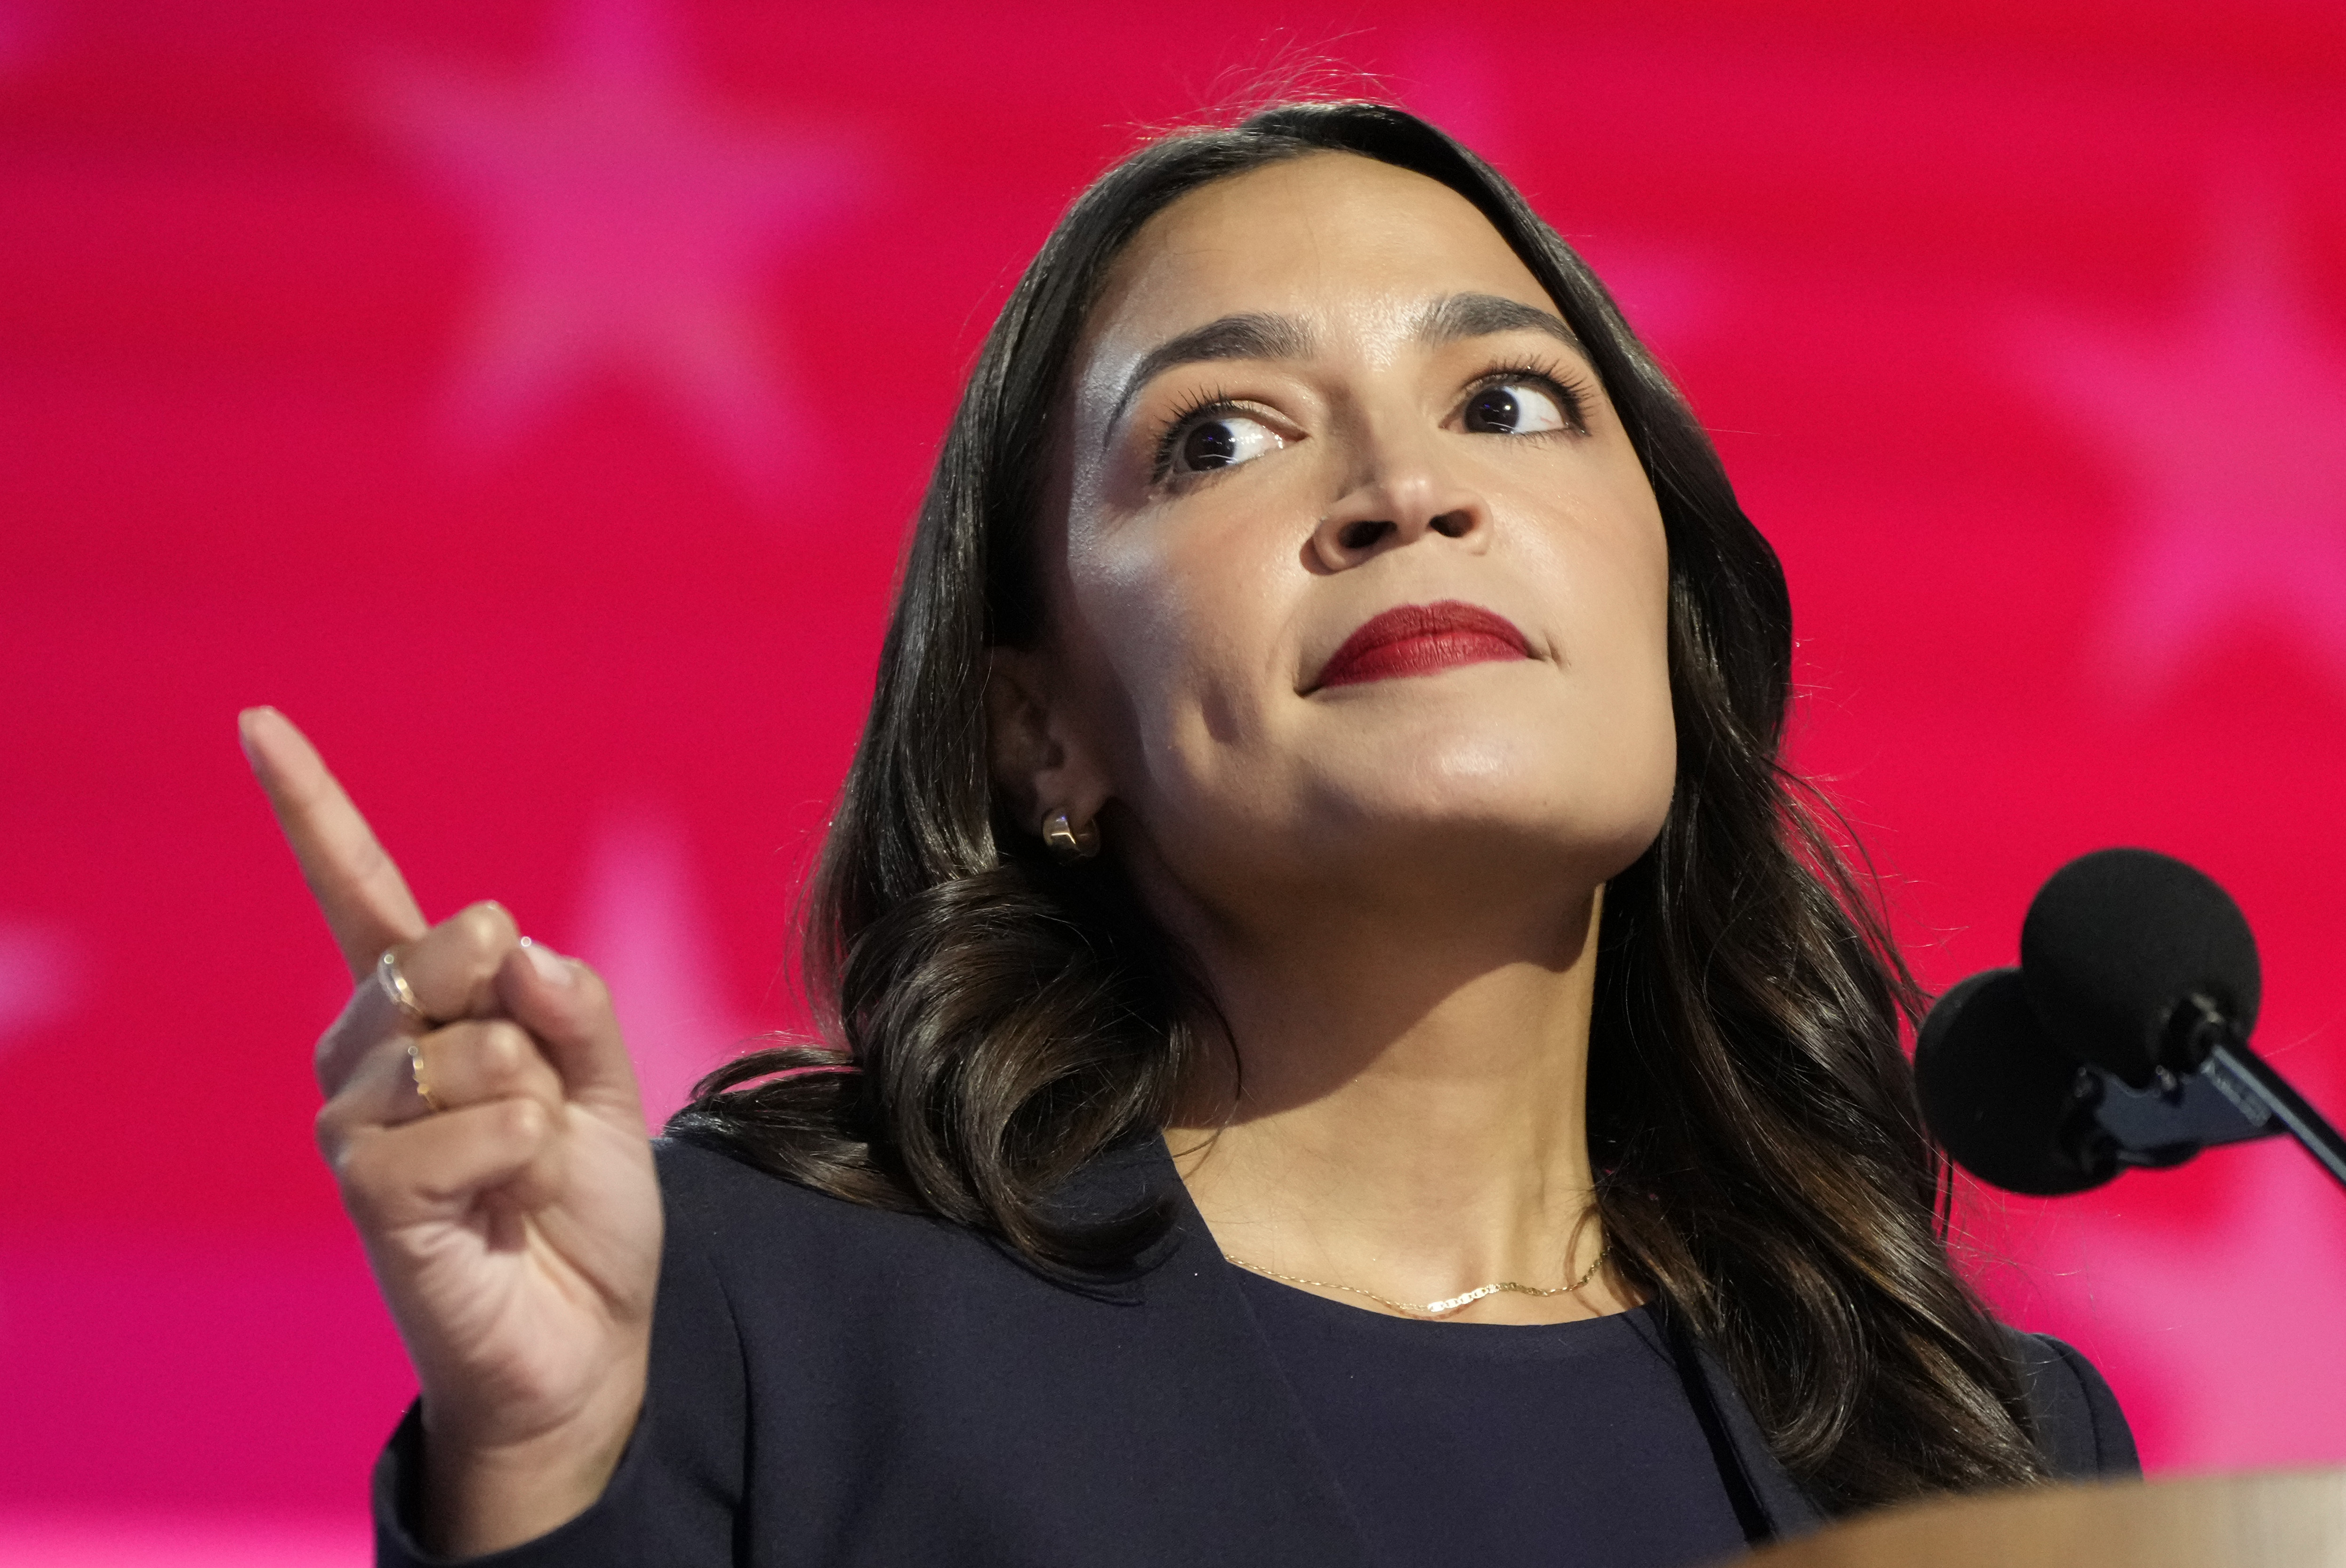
column 1419, row 639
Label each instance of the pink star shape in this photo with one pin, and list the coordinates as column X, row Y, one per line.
column 647, row 927
column 1453, row 76
column 41, row 973
column 2231, row 428
column 627, row 223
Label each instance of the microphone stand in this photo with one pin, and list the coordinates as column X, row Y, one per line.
column 2249, row 1081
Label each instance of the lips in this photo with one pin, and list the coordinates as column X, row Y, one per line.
column 1420, row 639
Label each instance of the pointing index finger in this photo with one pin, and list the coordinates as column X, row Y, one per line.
column 365, row 899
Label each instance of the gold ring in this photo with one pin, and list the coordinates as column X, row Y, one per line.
column 415, row 1071
column 402, row 995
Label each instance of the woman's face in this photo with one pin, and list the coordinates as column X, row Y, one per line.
column 1360, row 583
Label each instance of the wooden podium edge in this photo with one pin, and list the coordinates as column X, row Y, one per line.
column 2268, row 1519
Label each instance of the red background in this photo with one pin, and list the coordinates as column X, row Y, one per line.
column 529, row 399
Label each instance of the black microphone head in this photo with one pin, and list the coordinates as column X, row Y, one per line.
column 1997, row 1094
column 2117, row 940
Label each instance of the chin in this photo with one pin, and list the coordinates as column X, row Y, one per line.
column 1493, row 815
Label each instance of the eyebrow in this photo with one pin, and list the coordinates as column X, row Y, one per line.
column 1252, row 336
column 1259, row 336
column 1463, row 316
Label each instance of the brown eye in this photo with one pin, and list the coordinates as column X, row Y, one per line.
column 1209, row 446
column 1223, row 441
column 1513, row 408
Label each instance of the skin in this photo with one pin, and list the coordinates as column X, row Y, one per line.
column 515, row 1235
column 1393, row 887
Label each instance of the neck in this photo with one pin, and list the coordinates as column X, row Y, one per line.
column 1408, row 1115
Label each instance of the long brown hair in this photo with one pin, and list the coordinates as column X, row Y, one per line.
column 1000, row 1020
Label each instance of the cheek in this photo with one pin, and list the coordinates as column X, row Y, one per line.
column 1646, row 638
column 1604, row 565
column 1639, row 632
column 1609, row 568
column 1185, row 626
column 1634, row 542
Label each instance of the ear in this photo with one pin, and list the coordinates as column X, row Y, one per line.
column 1036, row 751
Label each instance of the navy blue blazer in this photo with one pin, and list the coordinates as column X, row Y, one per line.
column 842, row 1386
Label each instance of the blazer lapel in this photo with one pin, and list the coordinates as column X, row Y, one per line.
column 1788, row 1508
column 1225, row 1384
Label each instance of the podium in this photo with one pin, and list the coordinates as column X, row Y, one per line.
column 2270, row 1520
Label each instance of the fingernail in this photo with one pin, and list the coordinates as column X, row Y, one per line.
column 551, row 966
column 244, row 722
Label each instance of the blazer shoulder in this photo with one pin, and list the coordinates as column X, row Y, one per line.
column 720, row 1198
column 2078, row 1422
column 703, row 1182
column 754, row 1225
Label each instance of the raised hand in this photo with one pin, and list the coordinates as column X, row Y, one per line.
column 513, row 1219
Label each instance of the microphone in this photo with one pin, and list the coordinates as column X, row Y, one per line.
column 2139, row 962
column 2120, row 1040
column 2007, row 1103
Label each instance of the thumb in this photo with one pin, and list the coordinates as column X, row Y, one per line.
column 567, row 1006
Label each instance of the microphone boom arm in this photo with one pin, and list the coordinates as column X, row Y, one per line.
column 2243, row 1074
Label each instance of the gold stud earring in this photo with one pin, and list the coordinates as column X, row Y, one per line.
column 1068, row 842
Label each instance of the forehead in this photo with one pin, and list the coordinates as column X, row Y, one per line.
column 1322, row 237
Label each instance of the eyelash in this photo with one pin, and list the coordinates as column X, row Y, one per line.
column 1178, row 423
column 1571, row 393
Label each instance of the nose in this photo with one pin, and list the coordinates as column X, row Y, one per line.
column 1401, row 492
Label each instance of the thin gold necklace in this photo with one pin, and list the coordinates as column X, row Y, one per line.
column 1432, row 1309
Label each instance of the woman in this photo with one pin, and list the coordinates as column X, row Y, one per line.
column 1345, row 1048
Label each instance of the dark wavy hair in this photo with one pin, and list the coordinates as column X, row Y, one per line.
column 1000, row 1019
